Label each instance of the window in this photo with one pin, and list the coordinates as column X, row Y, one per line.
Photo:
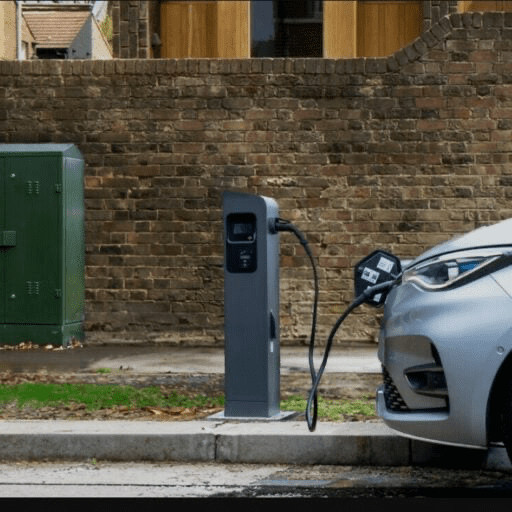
column 286, row 28
column 52, row 53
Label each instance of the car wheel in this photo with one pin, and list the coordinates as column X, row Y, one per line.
column 506, row 420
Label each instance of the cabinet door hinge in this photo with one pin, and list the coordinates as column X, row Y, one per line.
column 58, row 188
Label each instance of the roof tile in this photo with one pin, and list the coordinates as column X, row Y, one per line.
column 54, row 29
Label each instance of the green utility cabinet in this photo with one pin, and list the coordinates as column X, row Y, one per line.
column 41, row 243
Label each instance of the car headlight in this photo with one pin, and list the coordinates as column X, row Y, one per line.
column 456, row 269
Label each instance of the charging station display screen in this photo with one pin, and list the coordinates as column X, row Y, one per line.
column 241, row 227
column 241, row 242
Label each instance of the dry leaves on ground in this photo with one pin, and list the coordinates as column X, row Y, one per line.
column 79, row 412
column 28, row 345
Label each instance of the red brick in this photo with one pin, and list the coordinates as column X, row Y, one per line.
column 425, row 102
column 500, row 113
column 238, row 125
column 189, row 125
column 458, row 67
column 503, row 90
column 431, row 125
column 482, row 56
column 307, row 114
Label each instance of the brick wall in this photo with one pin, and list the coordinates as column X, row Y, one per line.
column 398, row 153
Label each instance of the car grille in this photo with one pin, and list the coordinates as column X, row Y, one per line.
column 392, row 397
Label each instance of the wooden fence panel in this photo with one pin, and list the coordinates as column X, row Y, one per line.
column 340, row 20
column 385, row 27
column 205, row 29
column 233, row 20
column 174, row 20
column 485, row 5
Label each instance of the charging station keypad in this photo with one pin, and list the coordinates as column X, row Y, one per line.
column 241, row 243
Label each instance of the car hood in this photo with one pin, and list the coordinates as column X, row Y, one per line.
column 497, row 235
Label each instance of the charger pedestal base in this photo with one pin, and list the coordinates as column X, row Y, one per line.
column 281, row 416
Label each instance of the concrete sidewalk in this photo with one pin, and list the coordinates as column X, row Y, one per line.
column 281, row 442
column 287, row 442
column 177, row 359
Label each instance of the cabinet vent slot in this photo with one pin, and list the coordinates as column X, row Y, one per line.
column 32, row 187
column 33, row 287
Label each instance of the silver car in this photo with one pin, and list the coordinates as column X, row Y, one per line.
column 446, row 343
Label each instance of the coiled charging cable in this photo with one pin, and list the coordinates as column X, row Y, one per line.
column 312, row 403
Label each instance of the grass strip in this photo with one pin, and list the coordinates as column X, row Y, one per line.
column 104, row 396
column 332, row 409
column 94, row 397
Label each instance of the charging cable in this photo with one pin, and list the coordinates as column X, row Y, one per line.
column 284, row 225
column 367, row 294
column 312, row 403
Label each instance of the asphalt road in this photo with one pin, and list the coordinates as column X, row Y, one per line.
column 104, row 479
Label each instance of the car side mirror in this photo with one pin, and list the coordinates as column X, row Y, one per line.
column 378, row 267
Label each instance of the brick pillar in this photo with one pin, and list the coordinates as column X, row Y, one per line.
column 116, row 43
column 130, row 29
column 434, row 10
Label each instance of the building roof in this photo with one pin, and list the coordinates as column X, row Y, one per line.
column 55, row 29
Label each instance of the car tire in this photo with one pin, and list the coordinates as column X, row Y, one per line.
column 506, row 420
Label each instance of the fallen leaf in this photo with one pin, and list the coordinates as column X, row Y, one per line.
column 154, row 410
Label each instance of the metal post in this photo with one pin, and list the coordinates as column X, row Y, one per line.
column 19, row 49
column 251, row 308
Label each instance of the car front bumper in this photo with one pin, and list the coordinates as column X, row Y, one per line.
column 440, row 353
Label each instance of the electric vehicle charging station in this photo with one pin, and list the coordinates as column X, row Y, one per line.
column 251, row 308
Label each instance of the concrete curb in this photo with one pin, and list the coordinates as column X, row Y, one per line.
column 288, row 442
